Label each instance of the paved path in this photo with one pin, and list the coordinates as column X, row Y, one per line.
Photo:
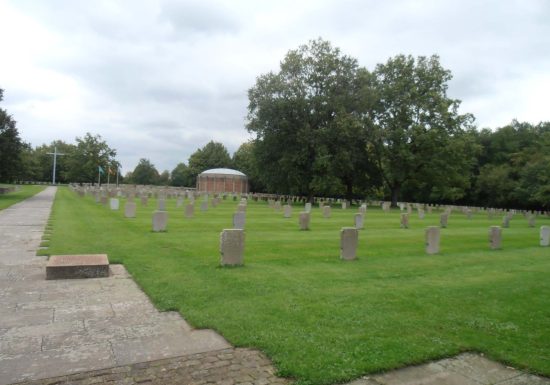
column 106, row 331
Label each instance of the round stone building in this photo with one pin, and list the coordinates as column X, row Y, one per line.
column 222, row 180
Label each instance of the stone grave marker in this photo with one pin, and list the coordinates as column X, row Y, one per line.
column 432, row 239
column 241, row 207
column 239, row 219
column 130, row 210
column 161, row 204
column 114, row 203
column 304, row 220
column 404, row 221
column 189, row 210
column 179, row 202
column 344, row 205
column 144, row 200
column 327, row 211
column 160, row 220
column 359, row 221
column 277, row 205
column 287, row 211
column 444, row 219
column 545, row 236
column 232, row 247
column 421, row 214
column 506, row 221
column 349, row 238
column 204, row 206
column 495, row 237
column 308, row 207
column 531, row 220
column 104, row 200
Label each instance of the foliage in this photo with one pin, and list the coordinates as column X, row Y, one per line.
column 322, row 320
column 164, row 178
column 91, row 152
column 212, row 155
column 304, row 116
column 26, row 191
column 11, row 146
column 245, row 161
column 421, row 142
column 145, row 173
column 181, row 176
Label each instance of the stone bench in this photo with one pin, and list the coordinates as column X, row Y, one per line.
column 77, row 266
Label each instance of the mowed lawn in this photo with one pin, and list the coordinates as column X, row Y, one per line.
column 322, row 320
column 26, row 191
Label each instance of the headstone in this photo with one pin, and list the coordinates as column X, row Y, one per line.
column 287, row 211
column 189, row 210
column 232, row 247
column 344, row 205
column 404, row 221
column 130, row 210
column 277, row 205
column 239, row 219
column 160, row 220
column 308, row 207
column 531, row 220
column 161, row 205
column 349, row 238
column 327, row 211
column 204, row 206
column 495, row 237
column 432, row 239
column 304, row 220
column 114, row 203
column 545, row 235
column 179, row 202
column 469, row 213
column 444, row 219
column 421, row 214
column 104, row 200
column 241, row 207
column 363, row 209
column 144, row 200
column 506, row 221
column 359, row 221
column 214, row 202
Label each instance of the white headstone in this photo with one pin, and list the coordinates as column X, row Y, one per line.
column 432, row 239
column 232, row 247
column 349, row 238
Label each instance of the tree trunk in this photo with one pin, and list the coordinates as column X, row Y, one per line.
column 349, row 191
column 395, row 190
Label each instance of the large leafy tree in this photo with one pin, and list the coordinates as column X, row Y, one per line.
column 422, row 144
column 91, row 152
column 145, row 173
column 40, row 164
column 245, row 161
column 11, row 146
column 212, row 155
column 307, row 121
column 181, row 176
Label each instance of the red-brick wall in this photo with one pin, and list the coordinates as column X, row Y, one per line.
column 237, row 184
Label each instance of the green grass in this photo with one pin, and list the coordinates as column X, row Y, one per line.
column 26, row 191
column 320, row 319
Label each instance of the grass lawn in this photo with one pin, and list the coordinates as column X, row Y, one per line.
column 27, row 191
column 320, row 319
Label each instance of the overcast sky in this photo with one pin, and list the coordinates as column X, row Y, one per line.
column 159, row 79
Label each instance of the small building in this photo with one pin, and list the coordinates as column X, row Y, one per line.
column 222, row 180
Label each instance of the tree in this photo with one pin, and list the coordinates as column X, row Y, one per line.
column 41, row 162
column 212, row 155
column 11, row 146
column 306, row 117
column 244, row 161
column 90, row 153
column 145, row 173
column 181, row 176
column 164, row 178
column 422, row 144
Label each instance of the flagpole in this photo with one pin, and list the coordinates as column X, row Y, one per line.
column 98, row 176
column 108, row 174
column 117, row 176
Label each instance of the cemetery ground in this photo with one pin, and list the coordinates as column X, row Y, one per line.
column 26, row 191
column 320, row 319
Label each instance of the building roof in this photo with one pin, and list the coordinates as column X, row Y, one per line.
column 222, row 171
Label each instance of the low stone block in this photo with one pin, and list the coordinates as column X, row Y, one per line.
column 189, row 210
column 204, row 206
column 506, row 221
column 77, row 266
column 308, row 207
column 404, row 221
column 432, row 239
column 239, row 219
column 495, row 237
column 327, row 211
column 349, row 238
column 545, row 236
column 160, row 220
column 241, row 207
column 161, row 205
column 444, row 220
column 130, row 210
column 531, row 220
column 114, row 203
column 304, row 220
column 232, row 247
column 359, row 221
column 287, row 211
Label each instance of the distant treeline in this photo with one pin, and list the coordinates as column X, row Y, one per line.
column 325, row 126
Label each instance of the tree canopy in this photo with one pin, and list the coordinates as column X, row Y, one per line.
column 212, row 155
column 11, row 146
